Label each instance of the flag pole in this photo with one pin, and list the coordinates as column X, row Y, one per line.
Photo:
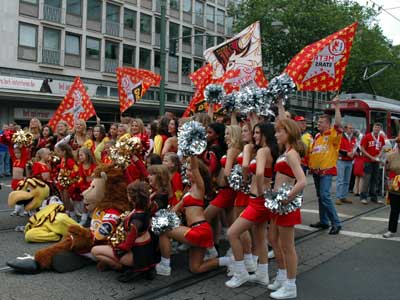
column 162, row 57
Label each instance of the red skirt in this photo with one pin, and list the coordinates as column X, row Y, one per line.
column 288, row 220
column 242, row 199
column 200, row 235
column 256, row 211
column 225, row 198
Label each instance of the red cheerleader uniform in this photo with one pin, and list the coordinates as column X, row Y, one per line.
column 177, row 188
column 242, row 199
column 226, row 196
column 39, row 168
column 67, row 167
column 200, row 233
column 84, row 178
column 144, row 138
column 293, row 218
column 18, row 163
column 136, row 170
column 256, row 211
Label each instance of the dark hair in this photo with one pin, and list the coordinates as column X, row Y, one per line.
column 163, row 126
column 153, row 129
column 175, row 160
column 267, row 130
column 176, row 124
column 51, row 133
column 205, row 174
column 139, row 193
column 220, row 131
column 155, row 159
column 102, row 132
column 89, row 155
column 68, row 150
column 378, row 124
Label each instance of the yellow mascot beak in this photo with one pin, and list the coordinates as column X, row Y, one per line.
column 30, row 194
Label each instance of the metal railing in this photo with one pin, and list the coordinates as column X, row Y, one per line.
column 51, row 56
column 112, row 28
column 52, row 13
column 110, row 65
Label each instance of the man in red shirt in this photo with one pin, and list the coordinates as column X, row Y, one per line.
column 371, row 147
column 344, row 164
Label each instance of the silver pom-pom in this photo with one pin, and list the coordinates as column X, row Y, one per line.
column 185, row 179
column 192, row 139
column 164, row 220
column 273, row 200
column 281, row 86
column 235, row 178
column 214, row 93
column 254, row 100
column 229, row 102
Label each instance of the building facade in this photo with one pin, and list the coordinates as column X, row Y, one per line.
column 46, row 43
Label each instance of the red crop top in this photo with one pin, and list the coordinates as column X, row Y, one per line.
column 283, row 167
column 223, row 161
column 253, row 168
column 239, row 159
column 188, row 200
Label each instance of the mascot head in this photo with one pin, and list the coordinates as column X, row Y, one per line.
column 30, row 193
column 107, row 190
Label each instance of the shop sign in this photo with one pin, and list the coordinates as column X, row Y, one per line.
column 16, row 83
column 29, row 113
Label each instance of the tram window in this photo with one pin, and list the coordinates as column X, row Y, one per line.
column 395, row 125
column 379, row 117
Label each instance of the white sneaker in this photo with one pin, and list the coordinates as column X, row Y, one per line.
column 183, row 247
column 237, row 280
column 260, row 278
column 285, row 292
column 210, row 253
column 388, row 234
column 276, row 285
column 363, row 201
column 230, row 271
column 163, row 270
column 250, row 265
column 13, row 213
column 271, row 254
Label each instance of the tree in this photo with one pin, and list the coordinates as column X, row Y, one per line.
column 304, row 22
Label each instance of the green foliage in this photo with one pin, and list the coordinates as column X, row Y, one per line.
column 307, row 21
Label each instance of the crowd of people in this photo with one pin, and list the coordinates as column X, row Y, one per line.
column 271, row 155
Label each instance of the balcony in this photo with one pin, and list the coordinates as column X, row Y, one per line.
column 147, row 4
column 72, row 60
column 199, row 20
column 210, row 25
column 130, row 34
column 28, row 9
column 27, row 53
column 112, row 28
column 198, row 50
column 93, row 64
column 51, row 57
column 174, row 13
column 187, row 48
column 51, row 13
column 73, row 20
column 110, row 65
column 157, row 39
column 187, row 17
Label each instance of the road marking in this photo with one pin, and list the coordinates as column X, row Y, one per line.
column 5, row 269
column 376, row 219
column 314, row 211
column 353, row 233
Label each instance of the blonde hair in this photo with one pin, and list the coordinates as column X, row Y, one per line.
column 235, row 134
column 41, row 152
column 294, row 134
column 140, row 124
column 89, row 155
column 163, row 178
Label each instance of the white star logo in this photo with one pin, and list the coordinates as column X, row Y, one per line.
column 326, row 59
column 77, row 108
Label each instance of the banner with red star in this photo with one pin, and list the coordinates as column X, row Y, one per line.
column 321, row 66
column 76, row 105
column 133, row 84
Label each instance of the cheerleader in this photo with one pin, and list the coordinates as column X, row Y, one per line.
column 160, row 184
column 62, row 131
column 289, row 171
column 255, row 214
column 19, row 157
column 40, row 168
column 199, row 233
column 138, row 130
column 136, row 252
column 47, row 139
column 113, row 132
column 162, row 135
column 171, row 161
column 171, row 144
column 99, row 140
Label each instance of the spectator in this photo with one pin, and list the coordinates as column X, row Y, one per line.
column 5, row 167
column 324, row 154
column 371, row 147
column 344, row 164
column 307, row 140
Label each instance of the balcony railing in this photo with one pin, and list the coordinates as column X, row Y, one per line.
column 51, row 13
column 110, row 65
column 112, row 28
column 51, row 56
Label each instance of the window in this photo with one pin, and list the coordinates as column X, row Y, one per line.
column 198, row 9
column 111, row 50
column 94, row 10
column 101, row 91
column 145, row 24
column 112, row 13
column 51, row 39
column 74, row 7
column 220, row 17
column 130, row 19
column 173, row 64
column 72, row 44
column 129, row 55
column 198, row 38
column 187, row 31
column 210, row 13
column 113, row 92
column 92, row 48
column 33, row 2
column 173, row 30
column 158, row 26
column 144, row 59
column 209, row 41
column 174, row 4
column 229, row 25
column 171, row 97
column 187, row 6
column 186, row 66
column 197, row 64
column 220, row 40
column 27, row 35
column 53, row 3
column 157, row 60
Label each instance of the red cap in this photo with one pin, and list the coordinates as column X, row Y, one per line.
column 299, row 118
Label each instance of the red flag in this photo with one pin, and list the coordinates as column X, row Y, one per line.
column 321, row 66
column 133, row 84
column 202, row 77
column 75, row 105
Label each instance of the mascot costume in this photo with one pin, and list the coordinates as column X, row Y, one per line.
column 107, row 199
column 50, row 223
